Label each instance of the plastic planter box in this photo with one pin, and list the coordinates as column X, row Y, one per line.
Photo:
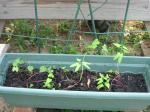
column 77, row 99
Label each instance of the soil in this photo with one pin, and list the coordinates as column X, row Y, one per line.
column 69, row 80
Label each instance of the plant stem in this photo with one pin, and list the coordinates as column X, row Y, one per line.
column 82, row 68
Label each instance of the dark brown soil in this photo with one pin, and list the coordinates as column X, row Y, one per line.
column 125, row 82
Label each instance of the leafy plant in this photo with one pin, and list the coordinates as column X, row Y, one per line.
column 94, row 44
column 92, row 48
column 16, row 64
column 56, row 49
column 121, row 51
column 103, row 81
column 64, row 69
column 80, row 65
column 64, row 26
column 43, row 69
column 30, row 68
column 49, row 81
column 105, row 50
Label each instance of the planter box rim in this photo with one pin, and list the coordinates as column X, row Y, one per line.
column 110, row 56
column 82, row 94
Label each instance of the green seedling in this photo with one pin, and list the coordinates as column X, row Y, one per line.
column 49, row 81
column 80, row 65
column 64, row 26
column 103, row 81
column 31, row 85
column 50, row 72
column 43, row 69
column 30, row 68
column 94, row 44
column 104, row 50
column 16, row 64
column 64, row 69
column 121, row 51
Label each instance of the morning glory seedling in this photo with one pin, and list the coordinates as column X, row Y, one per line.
column 16, row 64
column 80, row 65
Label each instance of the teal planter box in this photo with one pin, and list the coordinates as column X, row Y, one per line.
column 62, row 99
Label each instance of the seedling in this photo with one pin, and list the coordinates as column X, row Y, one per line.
column 43, row 69
column 64, row 69
column 31, row 85
column 30, row 68
column 94, row 44
column 122, row 50
column 49, row 81
column 80, row 65
column 64, row 26
column 104, row 50
column 16, row 64
column 103, row 81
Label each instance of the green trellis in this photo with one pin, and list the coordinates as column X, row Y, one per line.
column 69, row 39
column 91, row 14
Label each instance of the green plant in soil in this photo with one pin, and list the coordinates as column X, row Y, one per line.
column 122, row 50
column 16, row 64
column 92, row 47
column 48, row 83
column 71, row 50
column 30, row 69
column 105, row 50
column 22, row 27
column 43, row 69
column 80, row 64
column 64, row 26
column 103, row 82
column 56, row 49
column 31, row 85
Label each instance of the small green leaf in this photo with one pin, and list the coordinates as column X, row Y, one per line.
column 48, row 83
column 100, row 81
column 31, row 85
column 43, row 69
column 118, row 58
column 105, row 50
column 107, row 85
column 94, row 44
column 79, row 60
column 15, row 69
column 85, row 64
column 15, row 64
column 100, row 86
column 103, row 81
column 117, row 45
column 51, row 75
column 73, row 65
column 30, row 68
column 77, row 67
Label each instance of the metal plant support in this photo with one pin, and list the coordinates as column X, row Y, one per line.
column 91, row 14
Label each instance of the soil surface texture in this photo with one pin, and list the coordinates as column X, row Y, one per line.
column 70, row 80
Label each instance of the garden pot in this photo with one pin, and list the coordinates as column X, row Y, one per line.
column 87, row 100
